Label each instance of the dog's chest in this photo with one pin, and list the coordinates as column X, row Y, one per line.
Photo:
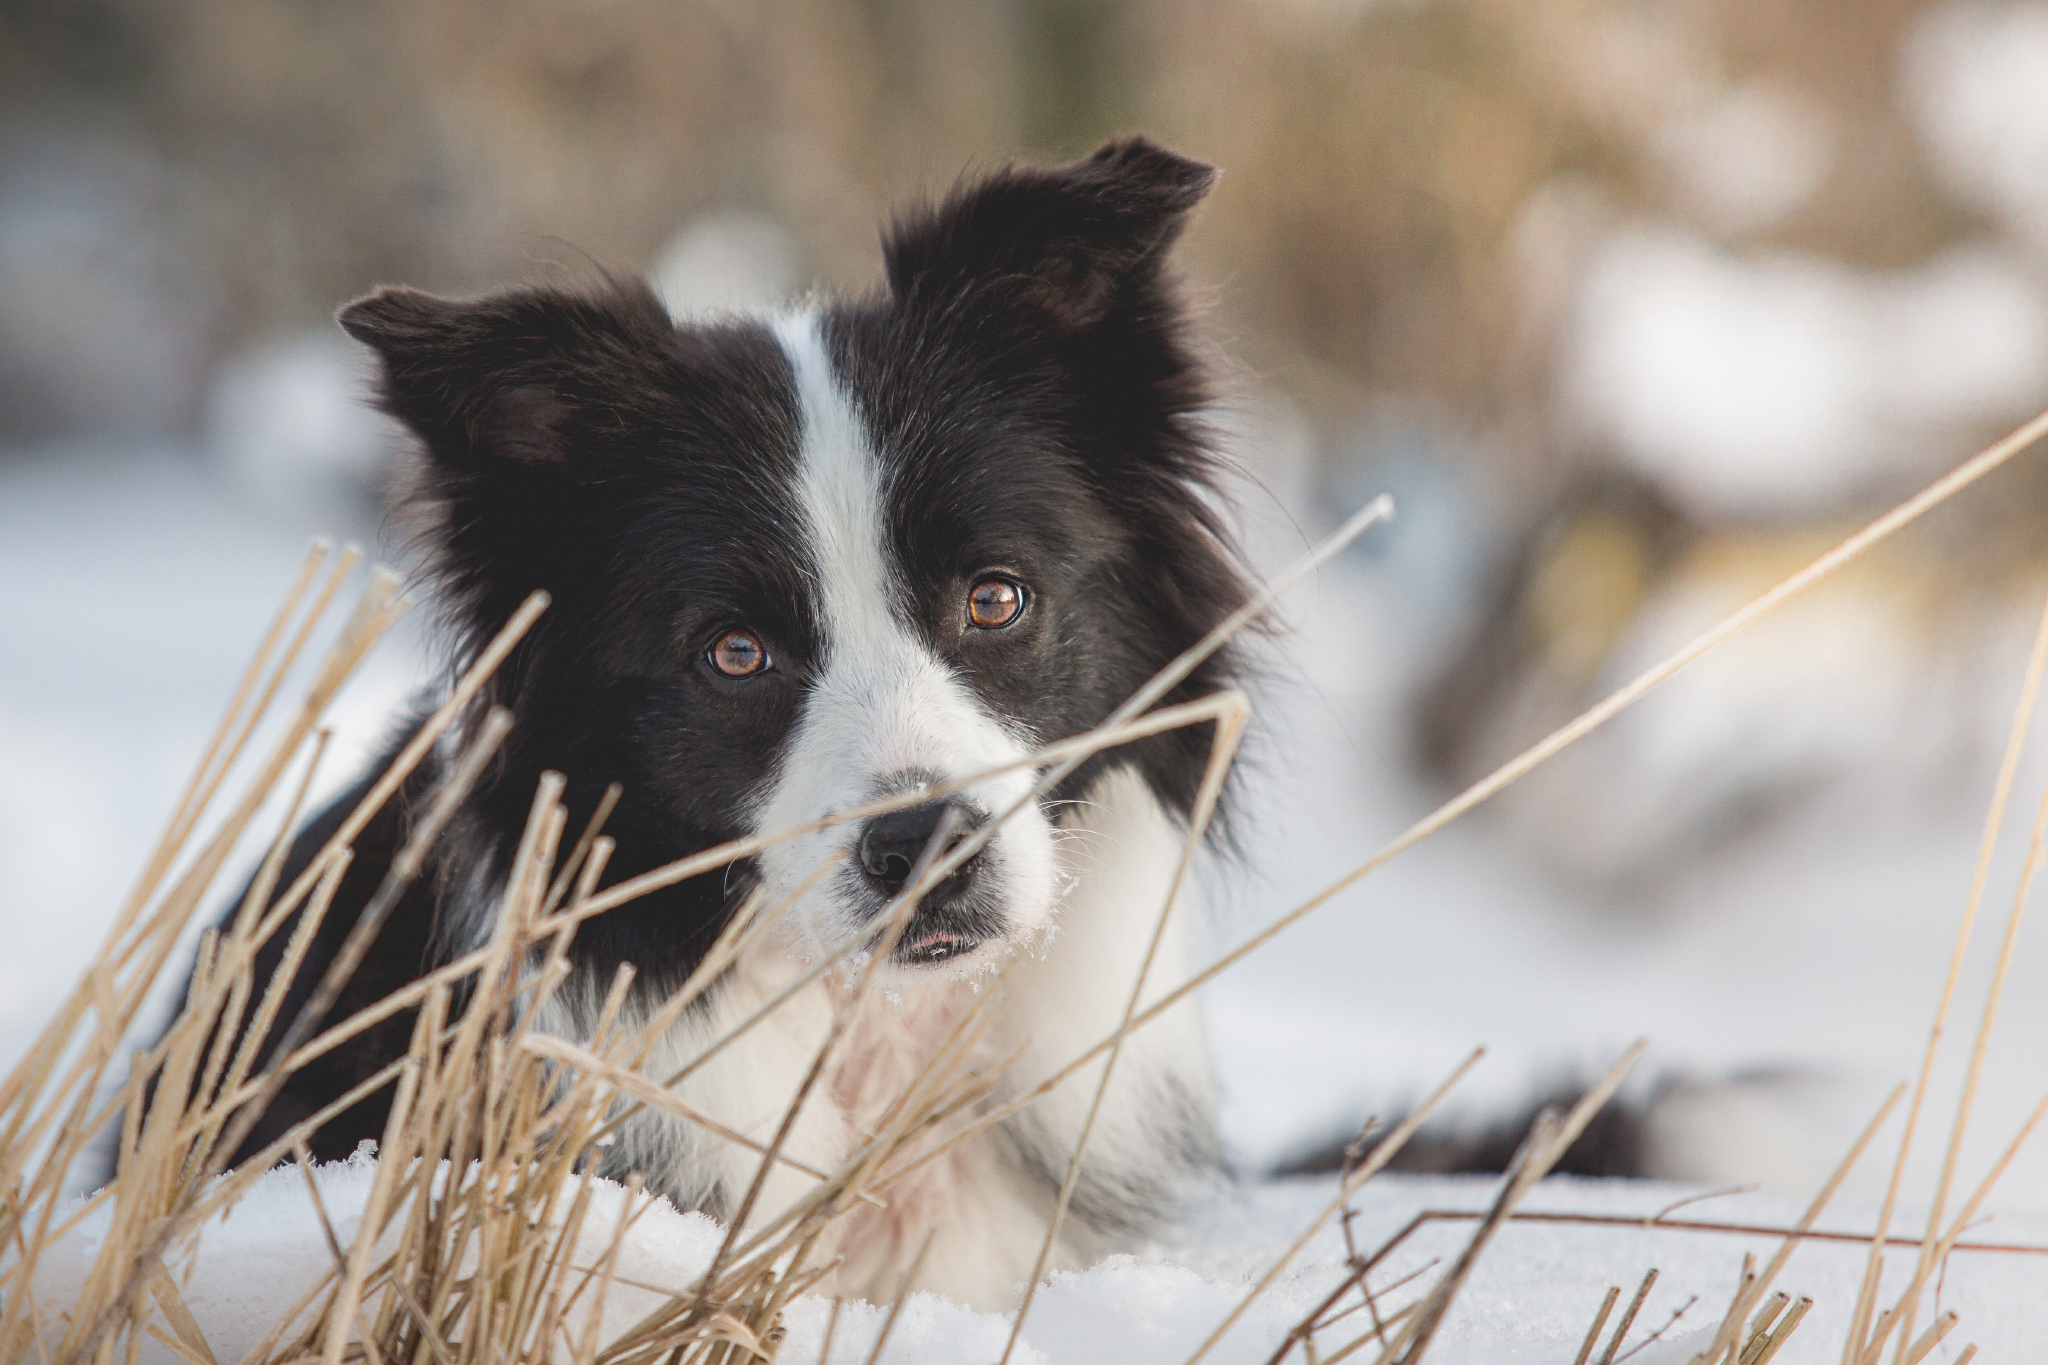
column 897, row 1058
column 893, row 1044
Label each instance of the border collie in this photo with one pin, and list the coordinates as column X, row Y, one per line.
column 799, row 562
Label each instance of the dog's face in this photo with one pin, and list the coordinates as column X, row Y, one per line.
column 848, row 552
column 936, row 612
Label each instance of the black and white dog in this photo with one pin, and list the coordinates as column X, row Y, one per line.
column 800, row 562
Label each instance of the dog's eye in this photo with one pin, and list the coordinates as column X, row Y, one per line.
column 739, row 654
column 994, row 603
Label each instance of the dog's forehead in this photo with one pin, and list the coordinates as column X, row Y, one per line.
column 720, row 432
column 853, row 395
column 840, row 453
column 967, row 429
column 839, row 488
column 973, row 424
column 947, row 390
column 700, row 508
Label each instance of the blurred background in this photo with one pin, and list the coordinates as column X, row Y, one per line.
column 1634, row 306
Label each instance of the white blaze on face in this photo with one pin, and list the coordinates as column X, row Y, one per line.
column 883, row 711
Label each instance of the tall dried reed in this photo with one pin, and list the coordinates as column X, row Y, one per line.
column 475, row 1242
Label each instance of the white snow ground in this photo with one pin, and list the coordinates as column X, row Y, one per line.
column 135, row 585
column 1530, row 1299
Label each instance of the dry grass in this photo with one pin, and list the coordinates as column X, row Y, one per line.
column 482, row 1239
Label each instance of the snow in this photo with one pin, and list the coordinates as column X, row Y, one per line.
column 1776, row 383
column 1791, row 972
column 102, row 320
column 1812, row 953
column 1973, row 77
column 1785, row 978
column 724, row 261
column 1530, row 1299
column 289, row 422
column 136, row 587
column 1748, row 157
column 1785, row 973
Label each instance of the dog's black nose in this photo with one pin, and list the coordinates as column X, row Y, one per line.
column 890, row 844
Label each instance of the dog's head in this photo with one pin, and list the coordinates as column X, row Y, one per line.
column 848, row 552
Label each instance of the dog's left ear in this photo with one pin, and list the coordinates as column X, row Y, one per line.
column 1069, row 242
column 495, row 385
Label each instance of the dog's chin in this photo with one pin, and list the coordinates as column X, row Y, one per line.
column 944, row 935
column 965, row 937
column 936, row 948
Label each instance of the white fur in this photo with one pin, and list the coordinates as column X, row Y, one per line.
column 884, row 712
column 986, row 1208
column 1080, row 903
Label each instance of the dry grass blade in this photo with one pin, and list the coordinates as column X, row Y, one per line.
column 1542, row 1149
column 404, row 868
column 1994, row 822
column 896, row 920
column 186, row 813
column 1935, row 1250
column 831, row 1328
column 1523, row 1172
column 191, row 1342
column 1372, row 1165
column 1760, row 1324
column 1677, row 1315
column 896, row 1307
column 1781, row 1332
column 1322, row 1319
column 1628, row 1319
column 463, row 1256
column 2037, row 856
column 459, row 699
column 1601, row 1220
column 644, row 1091
column 1222, row 752
column 1377, row 1336
column 341, row 1318
column 1931, row 1338
column 1746, row 1299
column 1562, row 738
column 1599, row 1325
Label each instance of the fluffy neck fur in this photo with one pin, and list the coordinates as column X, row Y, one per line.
column 987, row 1202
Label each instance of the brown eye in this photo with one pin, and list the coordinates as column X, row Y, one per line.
column 739, row 654
column 993, row 603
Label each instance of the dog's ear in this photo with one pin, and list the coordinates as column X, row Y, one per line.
column 497, row 381
column 1070, row 242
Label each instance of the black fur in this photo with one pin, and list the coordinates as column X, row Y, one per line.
column 1615, row 1143
column 1028, row 378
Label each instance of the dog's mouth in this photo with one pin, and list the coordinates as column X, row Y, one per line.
column 939, row 946
column 944, row 933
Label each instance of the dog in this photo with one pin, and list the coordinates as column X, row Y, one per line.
column 799, row 562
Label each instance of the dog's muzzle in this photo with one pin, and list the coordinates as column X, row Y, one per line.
column 950, row 920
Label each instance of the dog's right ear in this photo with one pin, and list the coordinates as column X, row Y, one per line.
column 499, row 381
column 1070, row 243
